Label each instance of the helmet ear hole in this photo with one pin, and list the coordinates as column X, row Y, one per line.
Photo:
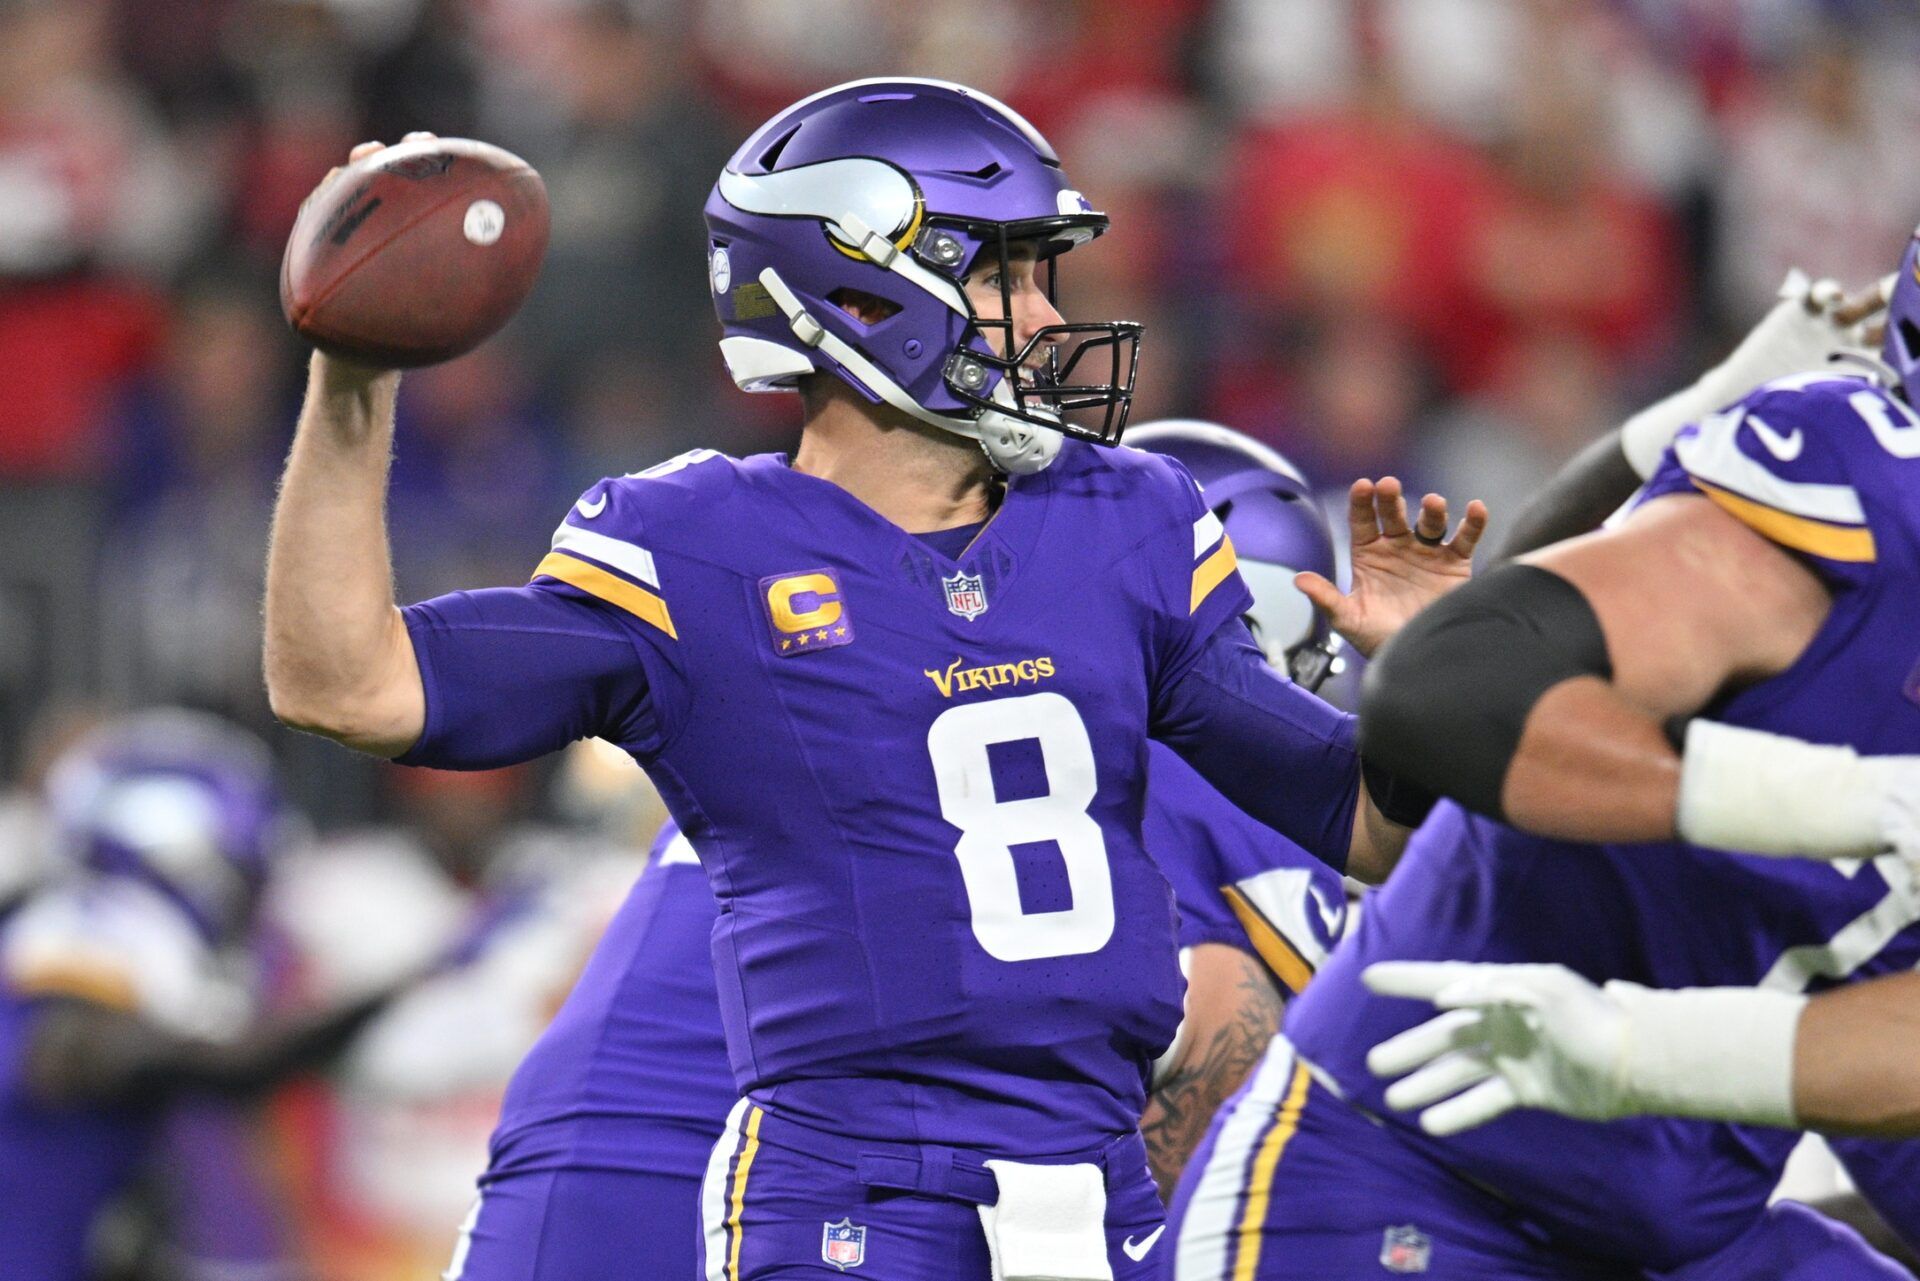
column 868, row 309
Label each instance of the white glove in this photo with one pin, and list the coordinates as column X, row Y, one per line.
column 1752, row 792
column 1541, row 1036
column 1800, row 334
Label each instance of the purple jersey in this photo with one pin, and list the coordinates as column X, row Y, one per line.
column 632, row 1074
column 1236, row 880
column 1828, row 467
column 915, row 781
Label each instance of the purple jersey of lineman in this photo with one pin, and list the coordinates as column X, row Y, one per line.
column 1829, row 467
column 915, row 781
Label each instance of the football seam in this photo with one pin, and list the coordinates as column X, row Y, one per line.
column 307, row 312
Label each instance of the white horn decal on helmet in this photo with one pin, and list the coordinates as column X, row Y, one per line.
column 878, row 194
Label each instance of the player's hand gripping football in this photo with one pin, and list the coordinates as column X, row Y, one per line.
column 1399, row 568
column 1509, row 1036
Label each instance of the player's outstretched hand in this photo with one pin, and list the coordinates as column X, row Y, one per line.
column 1509, row 1036
column 1399, row 568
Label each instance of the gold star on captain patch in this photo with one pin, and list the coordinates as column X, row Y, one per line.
column 821, row 634
column 786, row 644
column 803, row 638
column 839, row 631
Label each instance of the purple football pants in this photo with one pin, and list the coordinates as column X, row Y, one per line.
column 783, row 1202
column 581, row 1225
column 1292, row 1184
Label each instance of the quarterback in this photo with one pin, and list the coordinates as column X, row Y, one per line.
column 898, row 691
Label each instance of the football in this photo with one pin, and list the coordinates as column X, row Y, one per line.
column 415, row 254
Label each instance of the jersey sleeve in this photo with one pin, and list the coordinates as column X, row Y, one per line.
column 1195, row 578
column 588, row 648
column 1798, row 461
column 1282, row 755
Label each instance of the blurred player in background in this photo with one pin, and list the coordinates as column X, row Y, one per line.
column 128, row 989
column 950, row 614
column 380, row 1157
column 1766, row 577
column 633, row 1077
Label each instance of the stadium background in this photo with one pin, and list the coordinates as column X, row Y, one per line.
column 1449, row 239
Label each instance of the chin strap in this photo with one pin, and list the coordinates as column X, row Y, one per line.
column 1009, row 444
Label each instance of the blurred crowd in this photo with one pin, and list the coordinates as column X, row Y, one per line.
column 1448, row 239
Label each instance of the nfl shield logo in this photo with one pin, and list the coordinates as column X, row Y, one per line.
column 843, row 1244
column 1406, row 1249
column 966, row 596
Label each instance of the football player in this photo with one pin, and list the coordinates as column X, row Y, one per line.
column 621, row 1102
column 898, row 690
column 1766, row 575
column 124, row 991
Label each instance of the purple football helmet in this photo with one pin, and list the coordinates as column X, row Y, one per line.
column 184, row 802
column 1277, row 528
column 1902, row 347
column 898, row 188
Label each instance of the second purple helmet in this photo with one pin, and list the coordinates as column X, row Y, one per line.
column 1902, row 347
column 1277, row 528
column 181, row 801
column 899, row 188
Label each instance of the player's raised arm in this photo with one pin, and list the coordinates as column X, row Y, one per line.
column 338, row 661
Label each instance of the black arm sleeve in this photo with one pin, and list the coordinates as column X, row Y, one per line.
column 1445, row 701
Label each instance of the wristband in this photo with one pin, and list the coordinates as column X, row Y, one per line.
column 1719, row 1053
column 1752, row 792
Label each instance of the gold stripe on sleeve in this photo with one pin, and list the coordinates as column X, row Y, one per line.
column 595, row 581
column 1853, row 543
column 82, row 980
column 1212, row 572
column 1281, row 957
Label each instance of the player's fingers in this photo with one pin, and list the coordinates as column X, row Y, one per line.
column 1325, row 596
column 1417, row 980
column 1423, row 1043
column 1467, row 537
column 365, row 149
column 1431, row 524
column 1477, row 1106
column 1441, row 1079
column 1825, row 294
column 1361, row 524
column 1390, row 507
column 419, row 135
column 1857, row 307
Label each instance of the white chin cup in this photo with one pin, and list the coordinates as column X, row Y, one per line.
column 1017, row 448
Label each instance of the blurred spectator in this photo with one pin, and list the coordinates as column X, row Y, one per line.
column 202, row 439
column 1819, row 171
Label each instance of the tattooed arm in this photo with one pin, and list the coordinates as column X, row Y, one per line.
column 1233, row 1010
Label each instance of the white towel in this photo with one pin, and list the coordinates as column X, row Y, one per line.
column 1050, row 1223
